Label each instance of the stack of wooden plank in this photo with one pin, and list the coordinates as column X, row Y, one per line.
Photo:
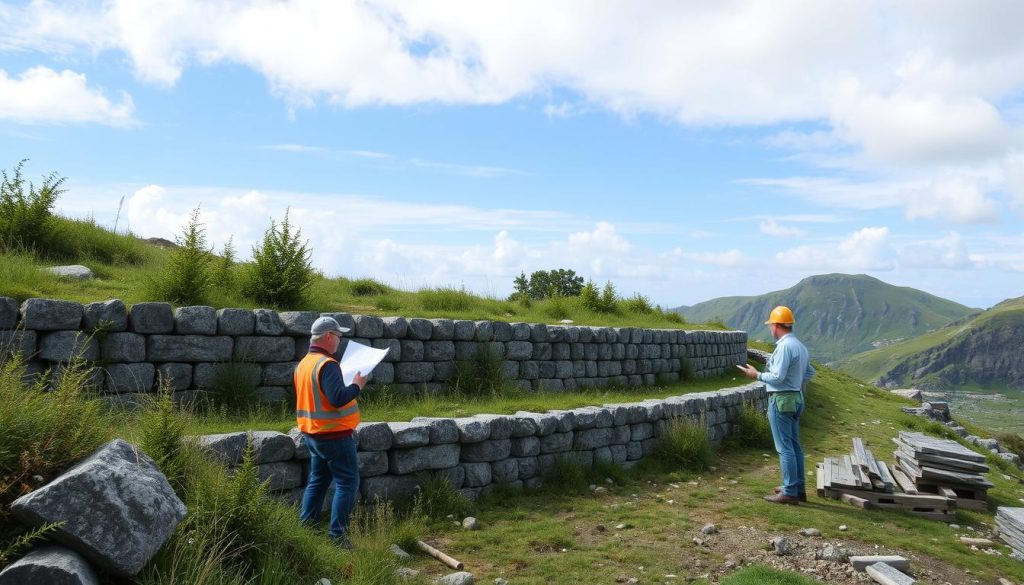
column 927, row 465
column 861, row 480
column 1010, row 522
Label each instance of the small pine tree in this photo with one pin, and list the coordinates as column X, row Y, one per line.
column 222, row 276
column 25, row 219
column 280, row 271
column 186, row 278
column 609, row 298
column 590, row 298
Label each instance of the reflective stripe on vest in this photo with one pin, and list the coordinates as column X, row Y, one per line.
column 323, row 417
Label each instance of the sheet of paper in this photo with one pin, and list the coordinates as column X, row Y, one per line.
column 359, row 358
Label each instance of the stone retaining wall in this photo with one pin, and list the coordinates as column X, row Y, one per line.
column 477, row 452
column 137, row 348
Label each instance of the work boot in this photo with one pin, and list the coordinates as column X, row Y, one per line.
column 781, row 498
column 802, row 495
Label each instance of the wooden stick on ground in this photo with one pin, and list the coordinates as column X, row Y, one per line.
column 447, row 560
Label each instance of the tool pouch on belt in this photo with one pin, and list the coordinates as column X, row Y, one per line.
column 788, row 401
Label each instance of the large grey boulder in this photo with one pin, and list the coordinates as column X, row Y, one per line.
column 52, row 565
column 442, row 430
column 395, row 327
column 368, row 326
column 71, row 272
column 8, row 313
column 109, row 315
column 50, row 315
column 117, row 508
column 280, row 475
column 374, row 436
column 197, row 320
column 409, row 434
column 151, row 318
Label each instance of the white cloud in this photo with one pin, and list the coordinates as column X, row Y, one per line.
column 947, row 252
column 867, row 249
column 43, row 96
column 958, row 197
column 773, row 228
column 1013, row 170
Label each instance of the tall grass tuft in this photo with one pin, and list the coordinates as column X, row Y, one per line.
column 750, row 429
column 446, row 299
column 45, row 432
column 480, row 375
column 368, row 287
column 638, row 304
column 234, row 386
column 437, row 499
column 83, row 240
column 684, row 444
column 21, row 276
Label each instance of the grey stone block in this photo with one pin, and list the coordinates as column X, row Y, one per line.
column 528, row 467
column 476, row 474
column 538, row 332
column 602, row 455
column 502, row 331
column 62, row 346
column 389, row 487
column 50, row 315
column 443, row 329
column 109, row 315
column 500, row 426
column 541, row 351
column 130, row 377
column 297, row 323
column 278, row 374
column 545, row 424
column 529, row 370
column 593, row 438
column 228, row 448
column 402, row 461
column 393, row 346
column 139, row 508
column 18, row 341
column 414, row 372
column 634, row 451
column 411, row 350
column 395, row 327
column 523, row 426
column 8, row 313
column 486, row 451
column 520, row 331
column 455, row 476
column 484, row 331
column 123, row 347
column 504, row 471
column 438, row 351
column 343, row 319
column 268, row 322
column 463, row 330
column 473, row 430
column 420, row 329
column 509, row 370
column 372, row 463
column 466, row 350
column 556, row 442
column 409, row 434
column 264, row 349
column 384, row 373
column 52, row 565
column 271, row 446
column 368, row 326
column 525, row 447
column 299, row 440
column 235, row 322
column 374, row 436
column 274, row 395
column 442, row 430
column 176, row 375
column 188, row 348
column 197, row 320
column 151, row 318
column 518, row 350
column 281, row 475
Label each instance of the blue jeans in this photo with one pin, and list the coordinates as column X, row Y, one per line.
column 331, row 459
column 786, row 434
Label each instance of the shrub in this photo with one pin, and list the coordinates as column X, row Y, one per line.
column 480, row 375
column 280, row 272
column 223, row 268
column 685, row 444
column 674, row 317
column 605, row 301
column 446, row 299
column 557, row 308
column 368, row 287
column 162, row 437
column 387, row 304
column 25, row 217
column 186, row 278
column 1012, row 442
column 638, row 304
column 750, row 429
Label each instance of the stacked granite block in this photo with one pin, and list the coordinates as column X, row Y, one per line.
column 153, row 343
column 478, row 452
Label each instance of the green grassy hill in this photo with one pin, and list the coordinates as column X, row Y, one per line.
column 978, row 352
column 837, row 315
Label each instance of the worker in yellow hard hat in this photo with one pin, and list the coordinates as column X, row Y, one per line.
column 786, row 374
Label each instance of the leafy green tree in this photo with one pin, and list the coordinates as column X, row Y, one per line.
column 25, row 218
column 544, row 284
column 186, row 279
column 590, row 297
column 280, row 272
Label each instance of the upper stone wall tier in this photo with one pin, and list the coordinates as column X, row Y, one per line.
column 142, row 345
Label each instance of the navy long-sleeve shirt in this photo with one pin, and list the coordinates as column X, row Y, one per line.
column 332, row 383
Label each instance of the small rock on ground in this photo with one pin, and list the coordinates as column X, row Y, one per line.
column 405, row 573
column 782, row 545
column 398, row 552
column 460, row 578
column 470, row 523
column 709, row 529
column 833, row 554
column 809, row 532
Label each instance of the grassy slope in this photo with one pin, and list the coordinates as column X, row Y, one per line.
column 524, row 536
column 870, row 365
column 837, row 314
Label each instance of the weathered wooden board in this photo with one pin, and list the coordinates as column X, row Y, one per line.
column 904, row 481
column 954, row 477
column 885, row 476
column 886, row 574
column 855, row 501
column 944, row 447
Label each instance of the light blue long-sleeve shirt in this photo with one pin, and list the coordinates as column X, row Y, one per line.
column 789, row 366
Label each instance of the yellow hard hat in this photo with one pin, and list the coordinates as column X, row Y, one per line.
column 781, row 315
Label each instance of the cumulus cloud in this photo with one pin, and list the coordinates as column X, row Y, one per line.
column 947, row 252
column 43, row 96
column 958, row 197
column 867, row 249
column 774, row 228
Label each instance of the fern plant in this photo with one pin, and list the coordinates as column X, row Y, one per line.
column 25, row 217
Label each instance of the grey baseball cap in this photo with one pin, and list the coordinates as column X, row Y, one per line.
column 324, row 324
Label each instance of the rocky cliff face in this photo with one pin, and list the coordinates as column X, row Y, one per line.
column 987, row 355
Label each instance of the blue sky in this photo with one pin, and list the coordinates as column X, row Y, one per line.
column 682, row 151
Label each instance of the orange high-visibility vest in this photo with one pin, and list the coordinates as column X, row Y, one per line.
column 313, row 412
